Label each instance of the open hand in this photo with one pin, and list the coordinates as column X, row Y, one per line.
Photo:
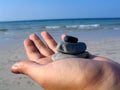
column 96, row 73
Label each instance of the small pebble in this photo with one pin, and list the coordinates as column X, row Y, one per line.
column 70, row 39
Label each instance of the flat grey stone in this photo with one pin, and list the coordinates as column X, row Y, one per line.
column 59, row 56
column 71, row 48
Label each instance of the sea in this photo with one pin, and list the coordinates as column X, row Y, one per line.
column 83, row 28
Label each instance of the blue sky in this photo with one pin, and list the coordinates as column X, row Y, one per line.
column 55, row 9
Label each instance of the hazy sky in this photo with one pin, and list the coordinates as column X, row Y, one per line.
column 54, row 9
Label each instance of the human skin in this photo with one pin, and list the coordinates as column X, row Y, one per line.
column 95, row 73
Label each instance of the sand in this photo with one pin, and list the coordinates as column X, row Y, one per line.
column 109, row 47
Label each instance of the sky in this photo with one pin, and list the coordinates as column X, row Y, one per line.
column 11, row 10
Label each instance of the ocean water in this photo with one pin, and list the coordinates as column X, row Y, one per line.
column 83, row 28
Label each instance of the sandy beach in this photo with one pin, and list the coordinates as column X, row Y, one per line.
column 8, row 81
column 109, row 47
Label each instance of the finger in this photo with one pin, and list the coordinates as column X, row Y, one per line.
column 31, row 50
column 49, row 40
column 63, row 36
column 29, row 68
column 40, row 45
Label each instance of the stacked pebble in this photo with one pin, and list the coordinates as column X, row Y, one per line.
column 70, row 48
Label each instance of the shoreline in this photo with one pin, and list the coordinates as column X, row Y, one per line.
column 82, row 35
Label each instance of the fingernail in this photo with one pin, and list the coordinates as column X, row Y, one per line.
column 15, row 68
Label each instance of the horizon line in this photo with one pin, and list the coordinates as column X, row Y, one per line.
column 60, row 19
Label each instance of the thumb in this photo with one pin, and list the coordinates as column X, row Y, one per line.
column 29, row 68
